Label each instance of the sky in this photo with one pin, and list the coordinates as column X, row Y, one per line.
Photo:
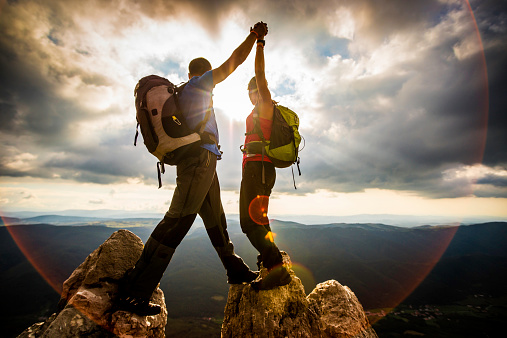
column 401, row 103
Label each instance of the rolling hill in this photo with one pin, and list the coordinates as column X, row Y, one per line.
column 386, row 266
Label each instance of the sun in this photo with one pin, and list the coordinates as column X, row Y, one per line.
column 230, row 97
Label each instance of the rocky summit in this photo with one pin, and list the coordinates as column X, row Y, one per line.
column 87, row 304
column 87, row 301
column 330, row 310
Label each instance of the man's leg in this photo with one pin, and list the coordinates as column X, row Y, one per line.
column 194, row 177
column 156, row 255
column 213, row 216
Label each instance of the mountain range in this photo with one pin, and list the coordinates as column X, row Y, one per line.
column 397, row 220
column 386, row 266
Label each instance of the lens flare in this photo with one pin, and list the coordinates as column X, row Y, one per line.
column 258, row 210
column 409, row 282
column 485, row 89
column 305, row 275
column 36, row 254
column 422, row 263
column 270, row 236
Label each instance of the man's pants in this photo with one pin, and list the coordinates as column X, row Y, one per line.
column 197, row 192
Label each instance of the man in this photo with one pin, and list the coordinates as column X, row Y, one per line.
column 197, row 191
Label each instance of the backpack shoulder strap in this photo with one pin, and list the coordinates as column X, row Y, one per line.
column 201, row 125
column 257, row 125
column 177, row 91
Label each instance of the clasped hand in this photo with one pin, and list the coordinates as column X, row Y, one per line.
column 260, row 29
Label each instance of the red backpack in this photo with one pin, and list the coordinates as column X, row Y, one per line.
column 165, row 132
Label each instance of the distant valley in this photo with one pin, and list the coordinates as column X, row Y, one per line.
column 386, row 266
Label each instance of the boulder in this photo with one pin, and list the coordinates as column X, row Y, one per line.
column 330, row 310
column 87, row 302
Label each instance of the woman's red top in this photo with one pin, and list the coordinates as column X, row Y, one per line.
column 266, row 132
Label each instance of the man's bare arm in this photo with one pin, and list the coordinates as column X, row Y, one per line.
column 239, row 55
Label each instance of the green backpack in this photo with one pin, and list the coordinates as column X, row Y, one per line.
column 283, row 146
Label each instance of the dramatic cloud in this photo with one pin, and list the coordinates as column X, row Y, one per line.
column 397, row 95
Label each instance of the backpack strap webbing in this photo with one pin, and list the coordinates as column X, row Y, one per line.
column 201, row 125
column 257, row 124
column 299, row 170
column 137, row 134
column 159, row 170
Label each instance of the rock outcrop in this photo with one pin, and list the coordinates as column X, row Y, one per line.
column 87, row 301
column 330, row 310
column 88, row 308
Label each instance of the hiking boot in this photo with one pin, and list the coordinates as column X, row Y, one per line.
column 141, row 307
column 245, row 277
column 278, row 276
column 259, row 261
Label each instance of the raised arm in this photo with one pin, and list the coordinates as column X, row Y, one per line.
column 265, row 102
column 239, row 55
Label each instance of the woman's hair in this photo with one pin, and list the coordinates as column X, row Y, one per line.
column 252, row 84
column 199, row 66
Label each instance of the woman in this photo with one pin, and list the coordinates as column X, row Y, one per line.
column 258, row 179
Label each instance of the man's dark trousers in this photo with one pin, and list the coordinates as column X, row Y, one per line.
column 197, row 192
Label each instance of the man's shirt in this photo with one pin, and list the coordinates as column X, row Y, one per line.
column 195, row 100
